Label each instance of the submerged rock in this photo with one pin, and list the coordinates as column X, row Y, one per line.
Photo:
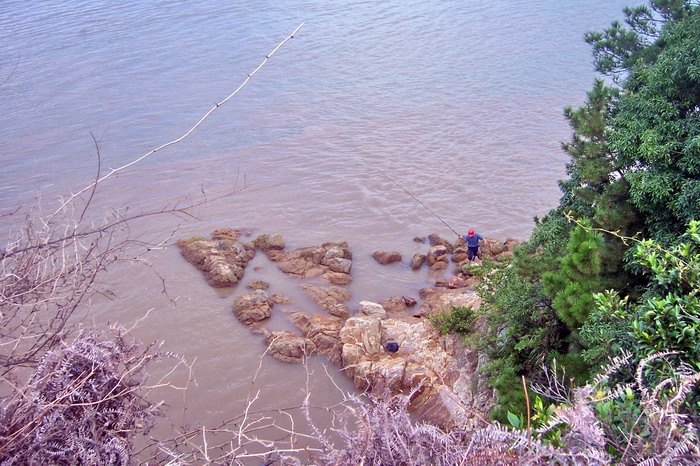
column 385, row 258
column 223, row 261
column 258, row 285
column 253, row 307
column 418, row 260
column 269, row 242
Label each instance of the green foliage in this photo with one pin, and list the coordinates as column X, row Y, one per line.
column 619, row 49
column 655, row 132
column 667, row 318
column 524, row 330
column 634, row 172
column 607, row 330
column 459, row 319
column 573, row 285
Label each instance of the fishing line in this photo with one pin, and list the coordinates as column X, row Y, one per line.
column 414, row 197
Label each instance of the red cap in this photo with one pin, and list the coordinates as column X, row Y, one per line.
column 470, row 232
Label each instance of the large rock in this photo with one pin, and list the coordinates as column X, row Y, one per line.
column 437, row 257
column 437, row 240
column 441, row 371
column 331, row 260
column 269, row 242
column 441, row 299
column 394, row 305
column 361, row 338
column 387, row 257
column 329, row 298
column 223, row 261
column 289, row 347
column 369, row 308
column 253, row 307
column 417, row 261
column 323, row 330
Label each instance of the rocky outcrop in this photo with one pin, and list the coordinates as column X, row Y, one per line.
column 332, row 261
column 443, row 372
column 386, row 347
column 253, row 307
column 289, row 347
column 385, row 258
column 330, row 298
column 323, row 330
column 223, row 261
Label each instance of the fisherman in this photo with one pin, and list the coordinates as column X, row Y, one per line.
column 472, row 239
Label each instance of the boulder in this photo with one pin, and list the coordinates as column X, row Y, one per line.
column 442, row 299
column 339, row 265
column 410, row 302
column 492, row 247
column 223, row 261
column 253, row 307
column 417, row 261
column 269, row 242
column 361, row 339
column 329, row 298
column 457, row 282
column 387, row 257
column 289, row 347
column 369, row 308
column 437, row 257
column 437, row 240
column 394, row 304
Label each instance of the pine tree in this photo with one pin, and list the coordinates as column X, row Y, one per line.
column 573, row 285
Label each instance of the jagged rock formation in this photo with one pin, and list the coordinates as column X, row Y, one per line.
column 223, row 260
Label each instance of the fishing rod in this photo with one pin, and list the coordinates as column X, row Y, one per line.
column 414, row 197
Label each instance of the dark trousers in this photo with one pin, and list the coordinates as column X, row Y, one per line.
column 473, row 252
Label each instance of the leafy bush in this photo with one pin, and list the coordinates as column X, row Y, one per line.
column 459, row 319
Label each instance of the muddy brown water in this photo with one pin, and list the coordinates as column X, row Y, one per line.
column 458, row 101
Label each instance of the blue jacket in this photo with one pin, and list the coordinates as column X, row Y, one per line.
column 473, row 241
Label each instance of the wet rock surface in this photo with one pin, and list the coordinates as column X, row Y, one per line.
column 385, row 258
column 331, row 299
column 289, row 347
column 253, row 307
column 223, row 261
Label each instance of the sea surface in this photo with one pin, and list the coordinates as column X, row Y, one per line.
column 458, row 102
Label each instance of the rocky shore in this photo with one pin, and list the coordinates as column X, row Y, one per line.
column 385, row 347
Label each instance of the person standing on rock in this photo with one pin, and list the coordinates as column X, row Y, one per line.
column 472, row 239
